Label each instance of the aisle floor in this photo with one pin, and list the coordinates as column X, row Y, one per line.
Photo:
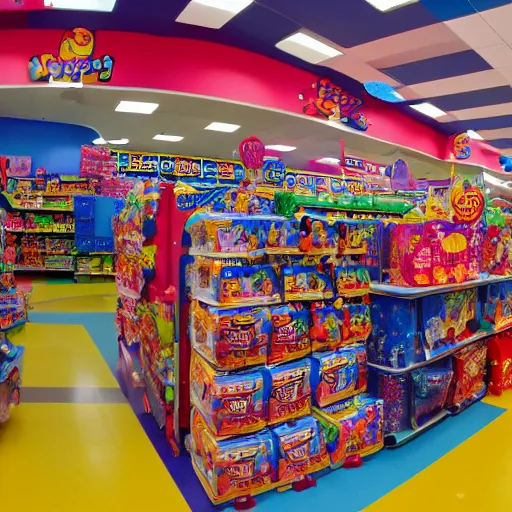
column 76, row 443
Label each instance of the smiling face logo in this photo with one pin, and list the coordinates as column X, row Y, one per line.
column 467, row 203
column 462, row 146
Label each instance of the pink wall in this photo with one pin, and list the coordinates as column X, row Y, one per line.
column 210, row 69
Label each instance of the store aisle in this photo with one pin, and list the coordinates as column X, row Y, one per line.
column 75, row 443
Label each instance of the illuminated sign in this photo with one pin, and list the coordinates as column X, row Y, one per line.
column 75, row 62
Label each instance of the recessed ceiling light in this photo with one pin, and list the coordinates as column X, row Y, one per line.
column 307, row 48
column 136, row 107
column 474, row 135
column 429, row 110
column 211, row 13
column 119, row 142
column 99, row 141
column 82, row 5
column 168, row 138
column 222, row 127
column 328, row 160
column 281, row 147
column 388, row 5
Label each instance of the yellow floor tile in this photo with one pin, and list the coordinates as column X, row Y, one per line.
column 44, row 292
column 82, row 458
column 475, row 477
column 85, row 304
column 62, row 356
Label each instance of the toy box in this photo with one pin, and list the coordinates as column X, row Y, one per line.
column 219, row 282
column 497, row 249
column 409, row 331
column 317, row 235
column 281, row 235
column 498, row 304
column 289, row 337
column 301, row 449
column 11, row 361
column 231, row 468
column 468, row 384
column 499, row 357
column 338, row 375
column 431, row 253
column 355, row 321
column 306, row 282
column 360, row 422
column 325, row 332
column 351, row 281
column 394, row 389
column 231, row 404
column 290, row 395
column 230, row 338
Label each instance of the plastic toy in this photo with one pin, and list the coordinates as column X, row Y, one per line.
column 325, row 333
column 301, row 449
column 499, row 358
column 468, row 384
column 10, row 375
column 290, row 395
column 351, row 281
column 231, row 338
column 339, row 375
column 231, row 468
column 289, row 337
column 306, row 283
column 230, row 404
column 360, row 421
column 355, row 321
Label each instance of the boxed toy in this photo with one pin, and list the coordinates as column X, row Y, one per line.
column 231, row 468
column 301, row 449
column 325, row 331
column 498, row 304
column 338, row 375
column 290, row 395
column 231, row 404
column 289, row 337
column 351, row 281
column 230, row 338
column 499, row 357
column 355, row 321
column 306, row 282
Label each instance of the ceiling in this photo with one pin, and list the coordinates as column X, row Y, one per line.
column 187, row 116
column 454, row 53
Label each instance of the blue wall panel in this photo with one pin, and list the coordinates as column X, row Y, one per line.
column 54, row 146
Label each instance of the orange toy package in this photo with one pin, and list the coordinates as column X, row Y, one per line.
column 499, row 357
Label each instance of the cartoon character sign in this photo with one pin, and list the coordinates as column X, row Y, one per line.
column 462, row 146
column 467, row 202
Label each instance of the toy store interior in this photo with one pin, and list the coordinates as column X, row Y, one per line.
column 274, row 272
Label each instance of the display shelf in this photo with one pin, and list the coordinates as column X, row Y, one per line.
column 400, row 438
column 404, row 292
column 45, row 233
column 95, row 274
column 247, row 302
column 41, row 269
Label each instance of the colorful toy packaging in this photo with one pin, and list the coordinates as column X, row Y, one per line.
column 289, row 337
column 395, row 391
column 351, row 281
column 301, row 449
column 360, row 421
column 468, row 383
column 325, row 333
column 431, row 253
column 306, row 283
column 231, row 468
column 290, row 395
column 11, row 358
column 498, row 305
column 355, row 321
column 231, row 338
column 499, row 358
column 230, row 404
column 339, row 375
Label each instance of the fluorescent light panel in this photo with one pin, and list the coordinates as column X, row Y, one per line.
column 99, row 141
column 82, row 5
column 328, row 160
column 136, row 107
column 429, row 110
column 389, row 5
column 222, row 127
column 211, row 13
column 116, row 142
column 168, row 138
column 281, row 147
column 307, row 48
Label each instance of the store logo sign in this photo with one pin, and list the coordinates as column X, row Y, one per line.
column 75, row 62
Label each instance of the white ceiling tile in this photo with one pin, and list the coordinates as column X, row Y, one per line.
column 498, row 56
column 474, row 30
column 500, row 20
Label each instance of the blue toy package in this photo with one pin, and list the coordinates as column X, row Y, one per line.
column 325, row 332
column 306, row 282
column 290, row 394
column 354, row 320
column 394, row 342
column 339, row 375
column 289, row 338
column 231, row 404
column 498, row 304
column 282, row 235
column 301, row 449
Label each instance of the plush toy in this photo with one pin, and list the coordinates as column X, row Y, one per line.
column 506, row 163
